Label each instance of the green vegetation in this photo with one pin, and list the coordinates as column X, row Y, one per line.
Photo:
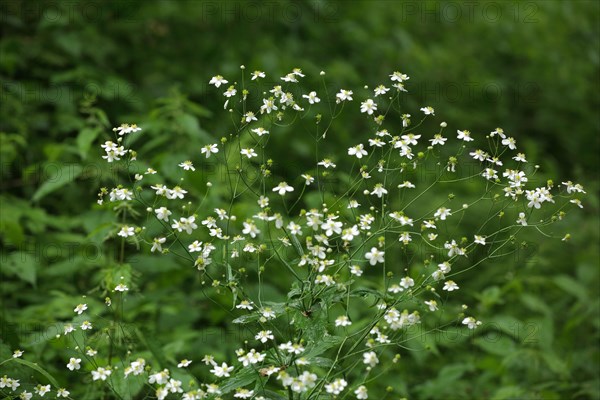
column 70, row 71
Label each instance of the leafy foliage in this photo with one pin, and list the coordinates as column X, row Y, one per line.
column 67, row 69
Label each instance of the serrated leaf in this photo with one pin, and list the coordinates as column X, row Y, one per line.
column 242, row 378
column 322, row 346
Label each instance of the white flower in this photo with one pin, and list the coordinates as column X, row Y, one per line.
column 85, row 325
column 464, row 135
column 428, row 110
column 292, row 348
column 312, row 97
column 442, row 213
column 308, row 179
column 327, row 280
column 498, row 131
column 157, row 244
column 355, row 270
column 344, row 95
column 184, row 363
column 243, row 393
column 249, row 358
column 176, row 193
column 248, row 153
column 326, row 163
column 432, row 304
column 577, row 202
column 450, row 286
column 126, row 128
column 209, row 149
column 379, row 190
column 573, row 187
column 289, row 78
column 368, row 106
column 490, row 174
column 126, row 231
column 283, row 188
column 268, row 106
column 162, row 213
column 249, row 117
column 510, row 142
column 438, row 139
column 407, row 184
column 343, row 320
column 74, row 363
column 121, row 288
column 250, row 229
column 221, row 371
column 375, row 256
column 376, row 142
column 407, row 282
column 380, row 90
column 257, row 74
column 80, row 308
column 245, row 304
column 187, row 165
column 42, row 390
column 264, row 336
column 268, row 313
column 62, row 392
column 361, row 393
column 522, row 219
column 336, row 387
column 471, row 322
column 480, row 239
column 399, row 77
column 353, row 204
column 520, row 157
column 185, row 224
column 217, row 81
column 260, row 131
column 358, row 151
column 230, row 92
column 370, row 358
column 101, row 373
column 479, row 155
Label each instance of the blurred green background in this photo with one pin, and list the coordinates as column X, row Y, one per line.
column 530, row 67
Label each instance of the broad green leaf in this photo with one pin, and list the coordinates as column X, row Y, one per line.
column 23, row 265
column 126, row 388
column 85, row 139
column 65, row 173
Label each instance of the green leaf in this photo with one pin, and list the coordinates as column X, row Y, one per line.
column 322, row 345
column 23, row 265
column 38, row 369
column 153, row 347
column 241, row 378
column 85, row 139
column 571, row 286
column 127, row 388
column 66, row 173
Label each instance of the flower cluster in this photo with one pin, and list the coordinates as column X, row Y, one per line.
column 388, row 238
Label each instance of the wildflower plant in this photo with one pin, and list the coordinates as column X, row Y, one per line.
column 371, row 244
